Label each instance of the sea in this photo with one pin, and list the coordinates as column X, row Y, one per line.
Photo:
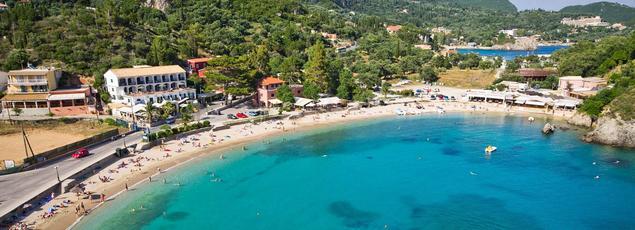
column 509, row 55
column 419, row 172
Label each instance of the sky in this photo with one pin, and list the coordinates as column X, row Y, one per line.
column 559, row 4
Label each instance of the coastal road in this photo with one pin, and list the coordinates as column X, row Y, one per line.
column 17, row 189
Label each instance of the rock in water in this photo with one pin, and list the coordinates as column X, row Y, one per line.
column 548, row 128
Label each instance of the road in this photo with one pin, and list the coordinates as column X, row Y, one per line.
column 16, row 189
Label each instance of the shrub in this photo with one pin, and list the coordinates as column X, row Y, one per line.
column 206, row 123
column 162, row 134
column 110, row 121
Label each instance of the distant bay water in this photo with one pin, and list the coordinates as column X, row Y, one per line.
column 512, row 54
column 427, row 172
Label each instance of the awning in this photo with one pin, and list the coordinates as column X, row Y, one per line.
column 536, row 103
column 275, row 101
column 566, row 103
column 329, row 101
column 302, row 101
column 70, row 96
column 26, row 97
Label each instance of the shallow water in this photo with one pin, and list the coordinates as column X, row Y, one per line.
column 511, row 54
column 425, row 172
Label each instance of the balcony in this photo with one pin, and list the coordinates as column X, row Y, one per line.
column 22, row 82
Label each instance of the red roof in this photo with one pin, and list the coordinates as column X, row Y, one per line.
column 270, row 81
column 535, row 72
column 201, row 73
column 198, row 60
column 393, row 28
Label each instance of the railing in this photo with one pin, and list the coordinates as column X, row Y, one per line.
column 28, row 82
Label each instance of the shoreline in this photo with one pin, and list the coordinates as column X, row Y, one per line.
column 245, row 134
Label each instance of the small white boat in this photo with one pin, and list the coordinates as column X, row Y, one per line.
column 489, row 149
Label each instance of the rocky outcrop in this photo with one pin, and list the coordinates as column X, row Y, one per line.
column 548, row 128
column 611, row 130
column 580, row 119
column 157, row 4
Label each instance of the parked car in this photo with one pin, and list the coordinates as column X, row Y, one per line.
column 170, row 120
column 80, row 153
column 253, row 113
column 452, row 98
column 232, row 116
column 241, row 115
column 432, row 97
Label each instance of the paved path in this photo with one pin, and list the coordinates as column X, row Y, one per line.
column 16, row 189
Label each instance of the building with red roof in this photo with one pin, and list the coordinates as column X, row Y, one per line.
column 393, row 29
column 197, row 64
column 532, row 74
column 267, row 89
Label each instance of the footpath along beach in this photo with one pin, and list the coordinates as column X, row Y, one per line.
column 127, row 173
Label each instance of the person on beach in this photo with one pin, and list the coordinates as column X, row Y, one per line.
column 126, row 186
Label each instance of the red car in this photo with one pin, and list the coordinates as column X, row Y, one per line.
column 241, row 115
column 80, row 153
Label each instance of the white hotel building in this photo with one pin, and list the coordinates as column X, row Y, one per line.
column 147, row 84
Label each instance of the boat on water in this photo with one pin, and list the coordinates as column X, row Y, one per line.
column 489, row 149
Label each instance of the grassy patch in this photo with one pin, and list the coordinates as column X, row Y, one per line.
column 467, row 79
column 624, row 105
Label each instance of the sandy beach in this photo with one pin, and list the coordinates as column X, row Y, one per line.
column 129, row 172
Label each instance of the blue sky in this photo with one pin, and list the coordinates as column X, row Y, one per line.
column 559, row 4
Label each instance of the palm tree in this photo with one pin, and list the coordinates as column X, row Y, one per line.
column 168, row 108
column 149, row 112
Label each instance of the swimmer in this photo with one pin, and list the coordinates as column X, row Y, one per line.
column 325, row 155
column 594, row 163
column 597, row 177
column 617, row 162
column 473, row 173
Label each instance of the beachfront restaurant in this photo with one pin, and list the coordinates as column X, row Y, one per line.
column 489, row 96
column 304, row 103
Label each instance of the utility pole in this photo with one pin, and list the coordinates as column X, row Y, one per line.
column 25, row 139
column 58, row 174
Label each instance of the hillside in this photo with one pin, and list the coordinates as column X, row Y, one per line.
column 498, row 5
column 611, row 12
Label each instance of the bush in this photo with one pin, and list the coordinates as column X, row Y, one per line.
column 110, row 121
column 175, row 130
column 162, row 134
column 206, row 123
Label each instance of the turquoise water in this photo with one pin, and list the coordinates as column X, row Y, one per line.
column 511, row 54
column 425, row 172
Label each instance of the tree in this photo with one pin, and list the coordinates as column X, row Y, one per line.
column 346, row 87
column 232, row 74
column 17, row 59
column 168, row 108
column 428, row 74
column 160, row 52
column 259, row 58
column 311, row 91
column 315, row 71
column 385, row 88
column 363, row 95
column 284, row 94
column 186, row 114
column 149, row 111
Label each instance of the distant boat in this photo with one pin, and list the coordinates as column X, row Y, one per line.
column 489, row 149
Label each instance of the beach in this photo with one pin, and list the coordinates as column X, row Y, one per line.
column 129, row 172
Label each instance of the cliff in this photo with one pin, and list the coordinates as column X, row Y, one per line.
column 613, row 131
column 616, row 125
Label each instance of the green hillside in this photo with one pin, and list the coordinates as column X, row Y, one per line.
column 611, row 12
column 500, row 5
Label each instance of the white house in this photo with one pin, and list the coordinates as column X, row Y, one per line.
column 148, row 84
